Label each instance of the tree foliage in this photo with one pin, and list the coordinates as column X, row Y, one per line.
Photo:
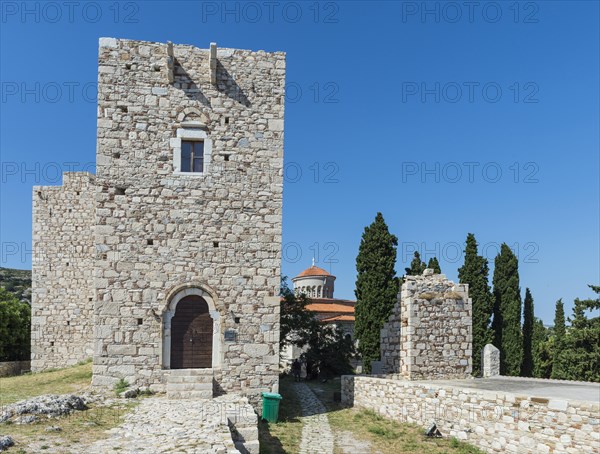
column 559, row 344
column 507, row 311
column 528, row 321
column 416, row 266
column 474, row 272
column 434, row 265
column 330, row 351
column 15, row 328
column 376, row 287
column 542, row 350
column 576, row 353
column 327, row 347
column 296, row 322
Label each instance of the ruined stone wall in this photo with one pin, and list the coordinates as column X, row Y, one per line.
column 158, row 228
column 429, row 333
column 495, row 421
column 62, row 272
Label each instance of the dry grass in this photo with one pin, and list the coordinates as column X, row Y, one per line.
column 284, row 436
column 429, row 296
column 78, row 429
column 391, row 437
column 60, row 381
column 452, row 296
column 383, row 435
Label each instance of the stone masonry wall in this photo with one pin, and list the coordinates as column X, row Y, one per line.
column 493, row 421
column 158, row 229
column 429, row 333
column 62, row 272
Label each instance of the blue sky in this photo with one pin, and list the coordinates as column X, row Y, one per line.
column 447, row 120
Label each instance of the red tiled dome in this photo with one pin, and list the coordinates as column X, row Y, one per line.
column 313, row 271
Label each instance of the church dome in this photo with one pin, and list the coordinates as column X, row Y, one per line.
column 314, row 271
column 314, row 282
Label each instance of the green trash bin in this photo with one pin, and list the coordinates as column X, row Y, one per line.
column 270, row 409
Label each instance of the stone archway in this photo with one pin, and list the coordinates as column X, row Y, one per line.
column 190, row 316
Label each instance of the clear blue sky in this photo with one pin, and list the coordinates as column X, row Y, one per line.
column 409, row 112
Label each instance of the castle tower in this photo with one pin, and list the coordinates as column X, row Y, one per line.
column 185, row 218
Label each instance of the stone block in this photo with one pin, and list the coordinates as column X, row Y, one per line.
column 490, row 360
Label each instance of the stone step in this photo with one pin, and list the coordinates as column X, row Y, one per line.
column 189, row 394
column 191, row 372
column 190, row 379
column 189, row 387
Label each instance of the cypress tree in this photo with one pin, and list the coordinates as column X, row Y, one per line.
column 560, row 334
column 475, row 273
column 560, row 329
column 507, row 311
column 416, row 266
column 542, row 358
column 376, row 287
column 528, row 319
column 434, row 265
column 583, row 340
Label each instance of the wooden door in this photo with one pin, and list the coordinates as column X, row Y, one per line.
column 191, row 334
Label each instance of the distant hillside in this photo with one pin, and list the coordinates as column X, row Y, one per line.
column 17, row 282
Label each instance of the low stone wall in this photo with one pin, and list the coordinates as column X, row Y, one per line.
column 493, row 421
column 10, row 368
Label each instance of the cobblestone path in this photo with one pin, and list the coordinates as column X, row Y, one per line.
column 317, row 437
column 161, row 425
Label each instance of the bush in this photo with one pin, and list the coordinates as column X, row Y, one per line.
column 15, row 328
column 121, row 386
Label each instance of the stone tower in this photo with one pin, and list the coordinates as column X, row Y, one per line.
column 429, row 334
column 186, row 217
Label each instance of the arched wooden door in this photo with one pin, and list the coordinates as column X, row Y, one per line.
column 191, row 334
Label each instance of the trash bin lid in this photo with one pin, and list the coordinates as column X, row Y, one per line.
column 271, row 395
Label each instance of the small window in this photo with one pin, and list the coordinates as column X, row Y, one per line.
column 192, row 156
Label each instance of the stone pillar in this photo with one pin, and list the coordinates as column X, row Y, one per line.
column 490, row 358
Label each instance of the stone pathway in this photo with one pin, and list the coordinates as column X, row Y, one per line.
column 161, row 425
column 317, row 437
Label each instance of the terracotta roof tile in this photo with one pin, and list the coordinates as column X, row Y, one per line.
column 338, row 318
column 338, row 308
column 313, row 271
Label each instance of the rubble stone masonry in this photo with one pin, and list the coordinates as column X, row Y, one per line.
column 63, row 272
column 495, row 421
column 429, row 334
column 160, row 232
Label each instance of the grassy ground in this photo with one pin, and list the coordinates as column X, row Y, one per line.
column 61, row 381
column 283, row 436
column 358, row 428
column 383, row 435
column 77, row 430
